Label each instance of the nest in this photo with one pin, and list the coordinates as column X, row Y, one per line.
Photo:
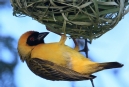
column 78, row 18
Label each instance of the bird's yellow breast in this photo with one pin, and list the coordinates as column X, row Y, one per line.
column 61, row 55
column 51, row 52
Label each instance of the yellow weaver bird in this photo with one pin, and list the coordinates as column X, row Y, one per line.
column 57, row 61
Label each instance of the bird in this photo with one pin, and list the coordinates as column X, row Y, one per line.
column 56, row 61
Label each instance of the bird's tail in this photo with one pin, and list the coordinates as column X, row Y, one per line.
column 102, row 66
column 109, row 65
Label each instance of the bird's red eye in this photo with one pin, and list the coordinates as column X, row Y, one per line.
column 32, row 39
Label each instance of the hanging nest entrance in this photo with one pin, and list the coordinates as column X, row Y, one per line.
column 78, row 18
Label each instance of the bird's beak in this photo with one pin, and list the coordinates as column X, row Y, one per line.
column 42, row 35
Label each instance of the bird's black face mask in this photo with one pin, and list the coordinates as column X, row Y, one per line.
column 36, row 38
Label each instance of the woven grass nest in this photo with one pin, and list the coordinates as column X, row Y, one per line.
column 78, row 18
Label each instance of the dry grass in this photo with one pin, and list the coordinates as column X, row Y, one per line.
column 78, row 18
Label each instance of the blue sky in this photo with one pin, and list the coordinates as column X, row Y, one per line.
column 112, row 46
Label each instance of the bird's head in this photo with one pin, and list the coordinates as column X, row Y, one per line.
column 28, row 41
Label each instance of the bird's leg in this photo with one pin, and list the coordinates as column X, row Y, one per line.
column 63, row 39
column 63, row 36
column 76, row 45
column 85, row 49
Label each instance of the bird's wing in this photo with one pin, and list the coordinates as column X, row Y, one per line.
column 52, row 71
